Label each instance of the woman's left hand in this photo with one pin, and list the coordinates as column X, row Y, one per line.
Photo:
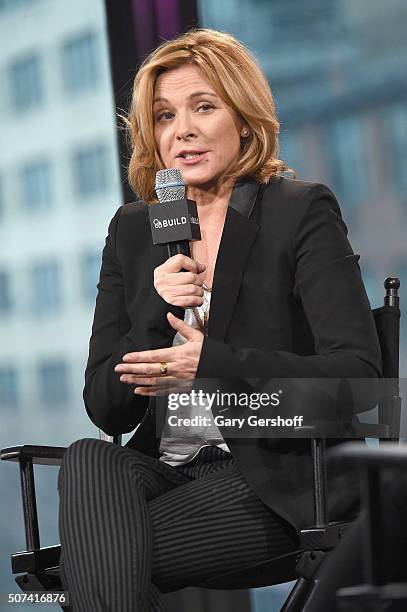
column 144, row 369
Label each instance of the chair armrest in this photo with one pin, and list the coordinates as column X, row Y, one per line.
column 387, row 455
column 26, row 455
column 45, row 455
column 34, row 561
column 335, row 429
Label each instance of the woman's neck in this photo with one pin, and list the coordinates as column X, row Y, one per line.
column 211, row 200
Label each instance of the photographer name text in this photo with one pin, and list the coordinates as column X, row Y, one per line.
column 252, row 420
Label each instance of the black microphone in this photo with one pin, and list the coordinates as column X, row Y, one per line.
column 174, row 221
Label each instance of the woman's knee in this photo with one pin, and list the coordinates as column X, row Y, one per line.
column 83, row 448
column 82, row 455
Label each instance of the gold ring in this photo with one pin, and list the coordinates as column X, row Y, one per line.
column 163, row 367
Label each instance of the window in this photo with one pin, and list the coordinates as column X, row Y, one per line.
column 90, row 269
column 79, row 59
column 373, row 284
column 5, row 293
column 6, row 5
column 26, row 84
column 36, row 190
column 401, row 273
column 398, row 144
column 90, row 170
column 9, row 393
column 349, row 164
column 53, row 382
column 1, row 197
column 46, row 286
column 290, row 146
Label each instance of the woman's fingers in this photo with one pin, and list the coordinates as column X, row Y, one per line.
column 140, row 370
column 148, row 382
column 154, row 356
column 150, row 391
column 185, row 296
column 182, row 289
column 190, row 301
column 179, row 279
column 187, row 290
column 157, row 386
column 178, row 282
column 189, row 332
column 178, row 386
column 163, row 371
column 179, row 262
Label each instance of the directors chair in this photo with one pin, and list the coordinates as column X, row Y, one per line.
column 376, row 594
column 37, row 568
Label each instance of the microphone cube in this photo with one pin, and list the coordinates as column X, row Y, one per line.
column 174, row 221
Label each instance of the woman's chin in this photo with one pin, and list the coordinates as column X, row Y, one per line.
column 200, row 180
column 195, row 175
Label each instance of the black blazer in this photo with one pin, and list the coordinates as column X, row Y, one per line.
column 287, row 301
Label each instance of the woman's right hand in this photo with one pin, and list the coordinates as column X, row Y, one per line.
column 180, row 288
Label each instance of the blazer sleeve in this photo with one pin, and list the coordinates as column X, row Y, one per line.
column 110, row 404
column 328, row 283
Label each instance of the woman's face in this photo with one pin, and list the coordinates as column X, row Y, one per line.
column 190, row 117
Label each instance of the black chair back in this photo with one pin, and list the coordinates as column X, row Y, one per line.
column 387, row 319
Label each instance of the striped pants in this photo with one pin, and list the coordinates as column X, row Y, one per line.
column 132, row 526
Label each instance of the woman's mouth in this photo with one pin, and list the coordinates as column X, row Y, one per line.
column 192, row 158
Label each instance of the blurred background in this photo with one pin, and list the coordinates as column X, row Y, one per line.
column 337, row 69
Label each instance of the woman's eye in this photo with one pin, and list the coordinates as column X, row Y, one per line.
column 164, row 115
column 205, row 106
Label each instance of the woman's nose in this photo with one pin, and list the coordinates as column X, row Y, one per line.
column 184, row 127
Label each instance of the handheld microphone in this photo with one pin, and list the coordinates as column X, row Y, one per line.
column 174, row 221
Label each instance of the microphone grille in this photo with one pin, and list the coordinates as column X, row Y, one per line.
column 169, row 185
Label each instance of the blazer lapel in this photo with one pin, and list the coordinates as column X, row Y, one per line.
column 238, row 235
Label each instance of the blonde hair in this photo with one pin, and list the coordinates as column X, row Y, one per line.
column 237, row 80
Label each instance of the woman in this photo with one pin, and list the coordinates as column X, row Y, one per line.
column 286, row 300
